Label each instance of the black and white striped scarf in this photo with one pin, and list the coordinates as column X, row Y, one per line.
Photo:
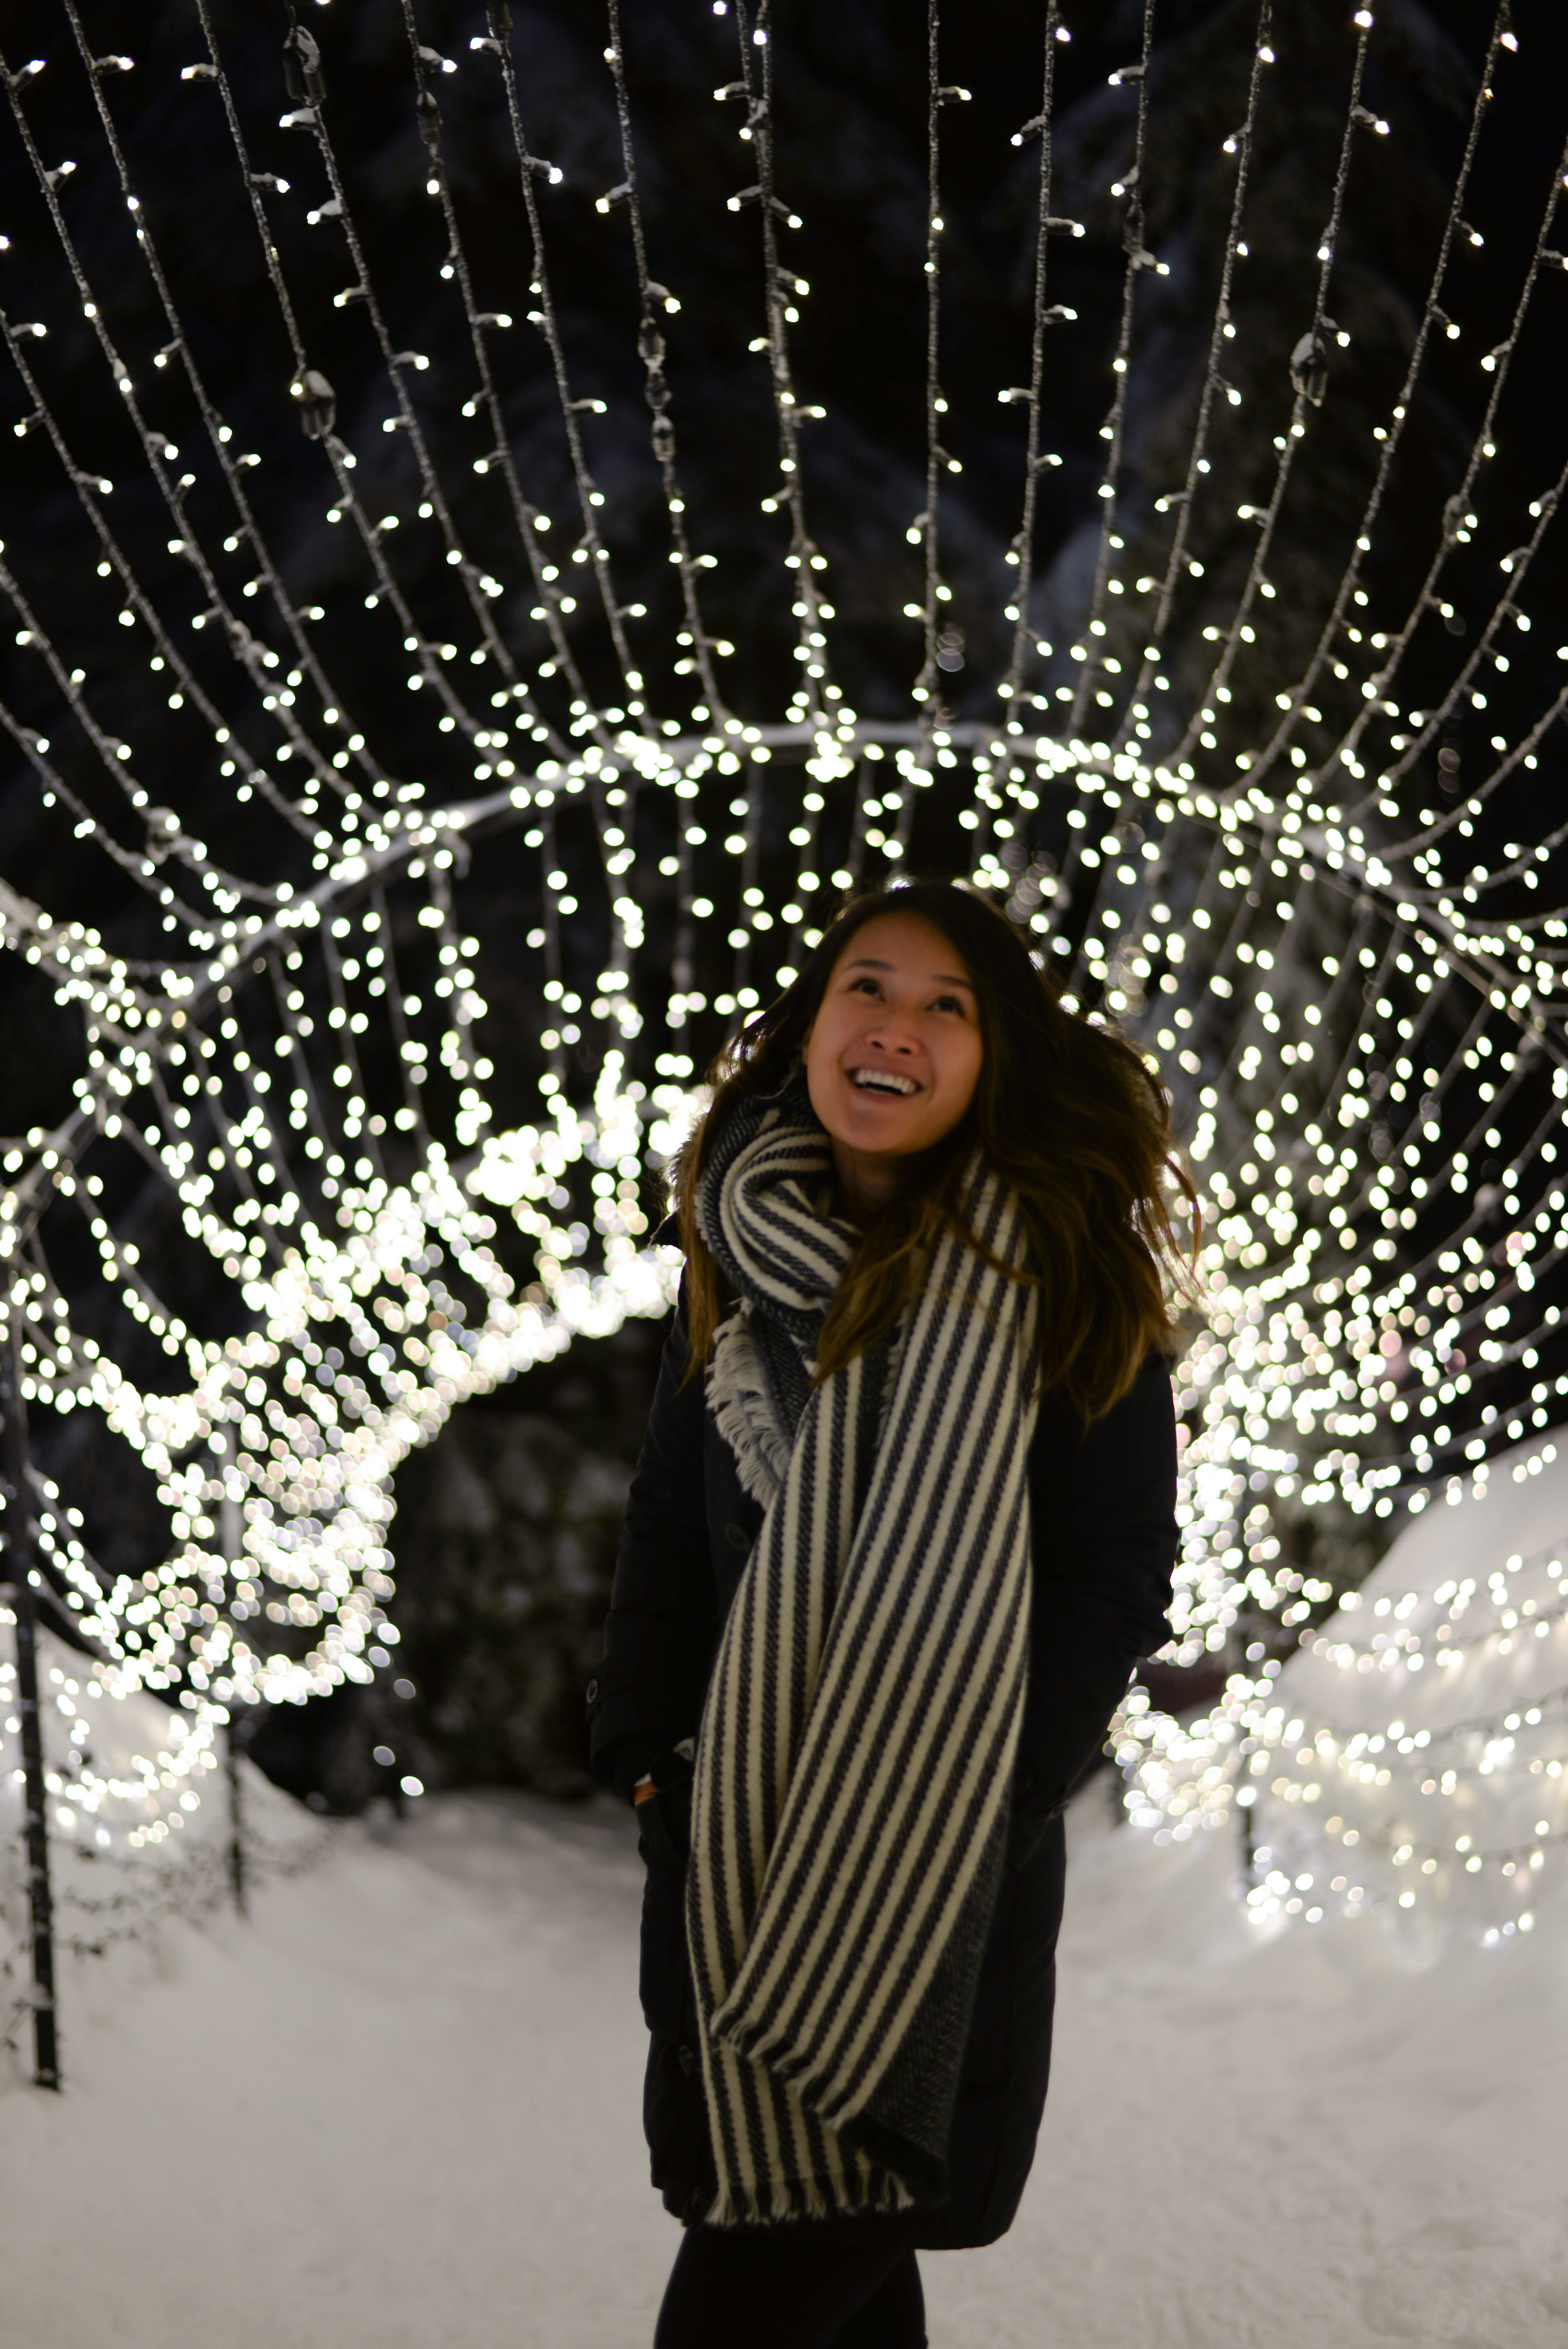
column 857, row 1741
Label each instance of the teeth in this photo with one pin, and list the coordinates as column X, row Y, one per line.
column 881, row 1080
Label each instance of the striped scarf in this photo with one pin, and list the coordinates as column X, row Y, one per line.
column 858, row 1740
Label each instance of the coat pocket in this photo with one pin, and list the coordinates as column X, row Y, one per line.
column 664, row 1968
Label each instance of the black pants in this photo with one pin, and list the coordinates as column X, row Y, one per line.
column 780, row 2288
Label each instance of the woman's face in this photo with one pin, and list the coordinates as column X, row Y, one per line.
column 894, row 1055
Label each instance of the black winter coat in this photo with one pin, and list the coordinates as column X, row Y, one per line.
column 1104, row 1538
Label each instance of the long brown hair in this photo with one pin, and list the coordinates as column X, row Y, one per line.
column 1064, row 1110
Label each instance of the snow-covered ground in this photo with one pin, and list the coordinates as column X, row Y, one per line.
column 399, row 2107
column 399, row 2110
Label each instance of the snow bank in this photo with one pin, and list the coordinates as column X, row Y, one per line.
column 1416, row 1753
column 139, row 1808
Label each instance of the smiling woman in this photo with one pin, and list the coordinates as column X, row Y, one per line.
column 892, row 1058
column 902, row 1525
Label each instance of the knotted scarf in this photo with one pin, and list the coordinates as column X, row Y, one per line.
column 857, row 1744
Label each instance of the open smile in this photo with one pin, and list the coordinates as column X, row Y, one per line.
column 889, row 1083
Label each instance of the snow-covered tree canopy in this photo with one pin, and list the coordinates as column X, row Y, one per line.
column 472, row 624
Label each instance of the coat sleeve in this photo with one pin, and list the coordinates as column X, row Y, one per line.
column 647, row 1694
column 1103, row 1504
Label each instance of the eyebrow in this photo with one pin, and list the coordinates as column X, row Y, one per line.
column 942, row 977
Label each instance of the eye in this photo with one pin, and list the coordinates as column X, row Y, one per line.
column 864, row 979
column 948, row 1003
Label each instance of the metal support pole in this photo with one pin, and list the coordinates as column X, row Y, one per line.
column 238, row 1732
column 233, row 1743
column 19, row 1559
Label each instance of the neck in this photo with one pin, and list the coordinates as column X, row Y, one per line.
column 866, row 1186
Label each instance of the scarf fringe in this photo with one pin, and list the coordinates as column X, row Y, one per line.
column 745, row 1412
column 796, row 2201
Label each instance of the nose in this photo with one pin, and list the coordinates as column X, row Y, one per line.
column 892, row 1032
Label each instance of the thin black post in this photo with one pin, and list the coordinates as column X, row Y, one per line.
column 19, row 1549
column 238, row 1735
column 235, row 1744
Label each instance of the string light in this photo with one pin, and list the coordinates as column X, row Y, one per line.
column 1357, row 994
